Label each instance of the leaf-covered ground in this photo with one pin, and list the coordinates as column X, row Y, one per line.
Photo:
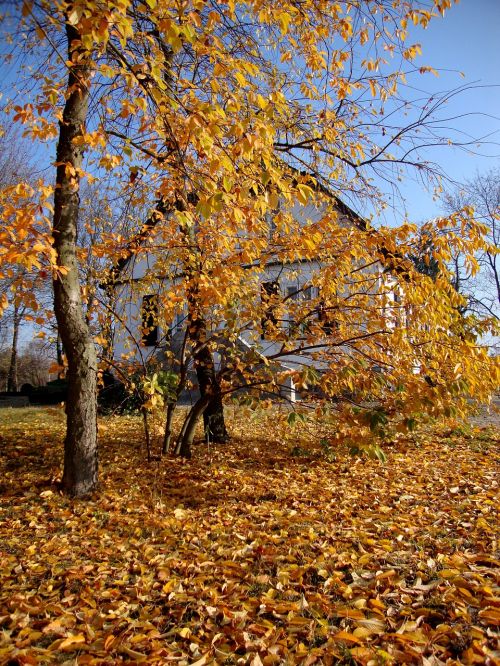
column 247, row 554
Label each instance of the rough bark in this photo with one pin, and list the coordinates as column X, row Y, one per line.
column 214, row 425
column 213, row 413
column 80, row 447
column 186, row 435
column 12, row 376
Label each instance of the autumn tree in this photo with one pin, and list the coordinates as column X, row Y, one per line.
column 83, row 29
column 80, row 459
column 239, row 125
column 15, row 165
column 241, row 129
column 481, row 193
column 33, row 364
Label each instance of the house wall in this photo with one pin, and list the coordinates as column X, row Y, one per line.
column 142, row 281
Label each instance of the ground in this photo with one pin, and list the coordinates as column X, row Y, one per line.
column 265, row 551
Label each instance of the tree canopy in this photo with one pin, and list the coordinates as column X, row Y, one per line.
column 236, row 127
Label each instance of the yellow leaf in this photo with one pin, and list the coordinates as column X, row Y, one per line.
column 346, row 636
column 284, row 20
column 109, row 641
column 491, row 616
column 241, row 79
column 70, row 642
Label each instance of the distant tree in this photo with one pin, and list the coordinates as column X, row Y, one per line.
column 483, row 289
column 16, row 160
column 35, row 361
column 32, row 367
column 17, row 285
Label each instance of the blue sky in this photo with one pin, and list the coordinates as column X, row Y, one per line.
column 466, row 40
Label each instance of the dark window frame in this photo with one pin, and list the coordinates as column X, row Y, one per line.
column 149, row 320
column 269, row 320
column 328, row 323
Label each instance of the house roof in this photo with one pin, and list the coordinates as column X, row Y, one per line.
column 395, row 261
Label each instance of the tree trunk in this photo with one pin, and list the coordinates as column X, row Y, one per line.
column 12, row 376
column 210, row 401
column 213, row 415
column 186, row 435
column 168, row 427
column 80, row 447
column 146, row 432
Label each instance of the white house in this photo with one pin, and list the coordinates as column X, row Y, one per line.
column 295, row 326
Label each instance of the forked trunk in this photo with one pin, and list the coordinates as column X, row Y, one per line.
column 80, row 447
column 186, row 435
column 213, row 415
column 208, row 383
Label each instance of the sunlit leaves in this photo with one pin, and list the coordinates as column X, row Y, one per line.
column 244, row 140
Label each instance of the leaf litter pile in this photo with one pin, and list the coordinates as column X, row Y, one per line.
column 248, row 554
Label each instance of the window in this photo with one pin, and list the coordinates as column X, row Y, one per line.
column 293, row 295
column 149, row 312
column 296, row 294
column 325, row 316
column 399, row 310
column 269, row 321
